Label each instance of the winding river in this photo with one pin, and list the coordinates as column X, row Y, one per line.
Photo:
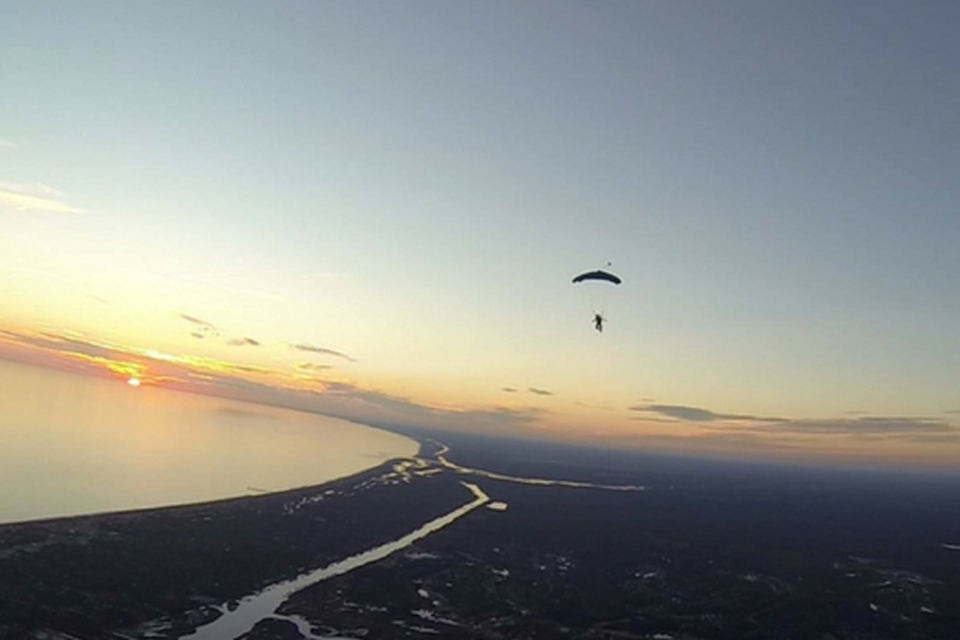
column 264, row 604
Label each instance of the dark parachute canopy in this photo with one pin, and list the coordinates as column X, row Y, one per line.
column 597, row 275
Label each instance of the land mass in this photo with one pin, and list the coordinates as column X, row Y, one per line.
column 581, row 544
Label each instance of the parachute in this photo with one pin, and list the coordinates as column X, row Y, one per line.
column 597, row 275
column 597, row 283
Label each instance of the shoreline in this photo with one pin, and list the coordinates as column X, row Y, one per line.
column 55, row 520
column 110, row 449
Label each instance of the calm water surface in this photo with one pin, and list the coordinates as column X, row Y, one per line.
column 71, row 444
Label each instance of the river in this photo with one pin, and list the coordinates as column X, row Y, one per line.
column 254, row 608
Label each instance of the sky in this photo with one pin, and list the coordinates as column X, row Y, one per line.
column 375, row 209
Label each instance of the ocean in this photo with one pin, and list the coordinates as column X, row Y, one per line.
column 72, row 444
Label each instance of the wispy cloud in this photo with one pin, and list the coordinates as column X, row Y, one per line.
column 915, row 428
column 203, row 329
column 370, row 406
column 197, row 321
column 534, row 390
column 937, row 438
column 33, row 197
column 412, row 413
column 243, row 342
column 99, row 358
column 297, row 389
column 694, row 414
column 865, row 426
column 7, row 144
column 321, row 350
column 80, row 355
column 539, row 392
column 311, row 368
column 60, row 343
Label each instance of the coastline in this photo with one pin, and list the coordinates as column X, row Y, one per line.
column 104, row 447
column 175, row 566
column 255, row 494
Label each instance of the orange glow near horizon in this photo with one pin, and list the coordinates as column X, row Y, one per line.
column 525, row 412
column 56, row 348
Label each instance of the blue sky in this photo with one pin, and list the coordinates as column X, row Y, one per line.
column 415, row 183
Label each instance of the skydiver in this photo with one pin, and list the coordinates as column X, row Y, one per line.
column 598, row 321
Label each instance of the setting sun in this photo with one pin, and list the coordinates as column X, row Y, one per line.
column 133, row 382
